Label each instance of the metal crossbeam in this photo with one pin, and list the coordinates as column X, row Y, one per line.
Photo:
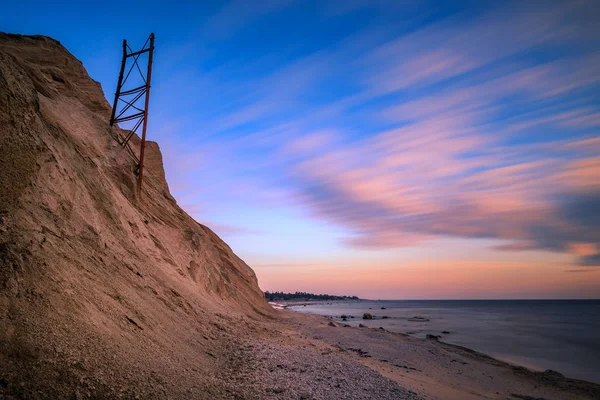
column 138, row 52
column 130, row 117
column 131, row 110
column 132, row 91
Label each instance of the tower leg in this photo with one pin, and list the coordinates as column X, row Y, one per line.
column 143, row 144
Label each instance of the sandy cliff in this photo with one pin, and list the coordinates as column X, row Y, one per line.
column 104, row 295
column 101, row 293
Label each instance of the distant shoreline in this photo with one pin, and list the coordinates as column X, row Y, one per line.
column 434, row 300
column 305, row 296
column 297, row 303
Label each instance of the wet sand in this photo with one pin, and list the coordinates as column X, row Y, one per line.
column 426, row 368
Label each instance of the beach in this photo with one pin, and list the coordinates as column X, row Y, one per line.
column 318, row 358
column 109, row 292
column 537, row 334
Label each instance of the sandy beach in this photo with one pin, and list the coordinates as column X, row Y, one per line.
column 105, row 294
column 304, row 356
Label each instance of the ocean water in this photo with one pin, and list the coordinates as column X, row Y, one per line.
column 562, row 335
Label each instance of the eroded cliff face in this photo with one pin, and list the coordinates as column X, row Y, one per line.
column 99, row 289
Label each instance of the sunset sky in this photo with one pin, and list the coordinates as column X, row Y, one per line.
column 374, row 148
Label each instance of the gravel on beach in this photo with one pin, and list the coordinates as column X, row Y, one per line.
column 280, row 371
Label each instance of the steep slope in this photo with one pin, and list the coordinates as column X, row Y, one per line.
column 101, row 293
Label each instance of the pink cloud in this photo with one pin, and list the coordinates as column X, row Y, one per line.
column 402, row 187
column 449, row 160
column 450, row 48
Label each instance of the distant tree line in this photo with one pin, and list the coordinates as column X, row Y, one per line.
column 272, row 296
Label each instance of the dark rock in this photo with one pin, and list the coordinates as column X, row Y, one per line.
column 551, row 374
column 331, row 323
column 432, row 337
column 134, row 323
column 385, row 317
column 367, row 316
column 445, row 332
column 406, row 367
column 383, row 308
column 362, row 326
column 525, row 397
column 360, row 352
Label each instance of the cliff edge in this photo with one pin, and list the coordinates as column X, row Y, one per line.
column 102, row 294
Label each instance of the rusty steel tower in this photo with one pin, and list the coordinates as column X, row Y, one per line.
column 128, row 107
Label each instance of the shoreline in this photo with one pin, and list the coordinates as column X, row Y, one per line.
column 436, row 369
column 503, row 331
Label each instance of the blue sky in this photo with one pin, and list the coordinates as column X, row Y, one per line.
column 378, row 148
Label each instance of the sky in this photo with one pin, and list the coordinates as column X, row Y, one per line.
column 384, row 149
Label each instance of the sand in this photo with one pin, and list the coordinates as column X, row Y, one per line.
column 105, row 295
column 102, row 294
column 433, row 369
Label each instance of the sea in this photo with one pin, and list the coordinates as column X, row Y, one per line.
column 561, row 335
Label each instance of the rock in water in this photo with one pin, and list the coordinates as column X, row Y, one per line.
column 81, row 256
column 367, row 316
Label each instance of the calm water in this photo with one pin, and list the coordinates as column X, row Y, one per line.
column 563, row 335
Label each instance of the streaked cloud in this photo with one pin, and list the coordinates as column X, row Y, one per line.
column 235, row 14
column 456, row 163
column 479, row 124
